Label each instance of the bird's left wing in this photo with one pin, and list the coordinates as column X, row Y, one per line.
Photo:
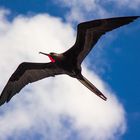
column 27, row 73
column 88, row 33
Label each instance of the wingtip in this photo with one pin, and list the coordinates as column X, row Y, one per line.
column 129, row 17
column 135, row 17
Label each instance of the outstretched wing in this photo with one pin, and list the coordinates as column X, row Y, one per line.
column 89, row 32
column 27, row 73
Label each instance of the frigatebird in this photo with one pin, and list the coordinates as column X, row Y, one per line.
column 69, row 62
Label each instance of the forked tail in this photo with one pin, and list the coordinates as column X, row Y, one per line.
column 91, row 87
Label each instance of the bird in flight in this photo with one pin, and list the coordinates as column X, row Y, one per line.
column 69, row 62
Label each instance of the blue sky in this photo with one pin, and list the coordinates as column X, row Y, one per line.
column 115, row 59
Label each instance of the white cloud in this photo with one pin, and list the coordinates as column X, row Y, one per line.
column 80, row 10
column 45, row 107
column 127, row 4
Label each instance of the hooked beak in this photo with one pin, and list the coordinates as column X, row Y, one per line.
column 50, row 57
column 44, row 53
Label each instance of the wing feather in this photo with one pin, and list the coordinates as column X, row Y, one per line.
column 27, row 73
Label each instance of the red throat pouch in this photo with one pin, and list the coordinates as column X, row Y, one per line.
column 52, row 60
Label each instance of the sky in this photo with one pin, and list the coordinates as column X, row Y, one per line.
column 60, row 107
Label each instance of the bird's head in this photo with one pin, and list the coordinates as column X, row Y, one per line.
column 52, row 56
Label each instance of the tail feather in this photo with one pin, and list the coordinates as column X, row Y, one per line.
column 91, row 87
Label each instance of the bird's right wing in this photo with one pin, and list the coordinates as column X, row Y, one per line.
column 91, row 87
column 27, row 73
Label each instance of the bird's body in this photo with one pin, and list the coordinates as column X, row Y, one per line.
column 69, row 62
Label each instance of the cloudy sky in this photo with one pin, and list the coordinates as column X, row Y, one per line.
column 61, row 108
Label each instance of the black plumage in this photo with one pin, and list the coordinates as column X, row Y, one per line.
column 68, row 62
